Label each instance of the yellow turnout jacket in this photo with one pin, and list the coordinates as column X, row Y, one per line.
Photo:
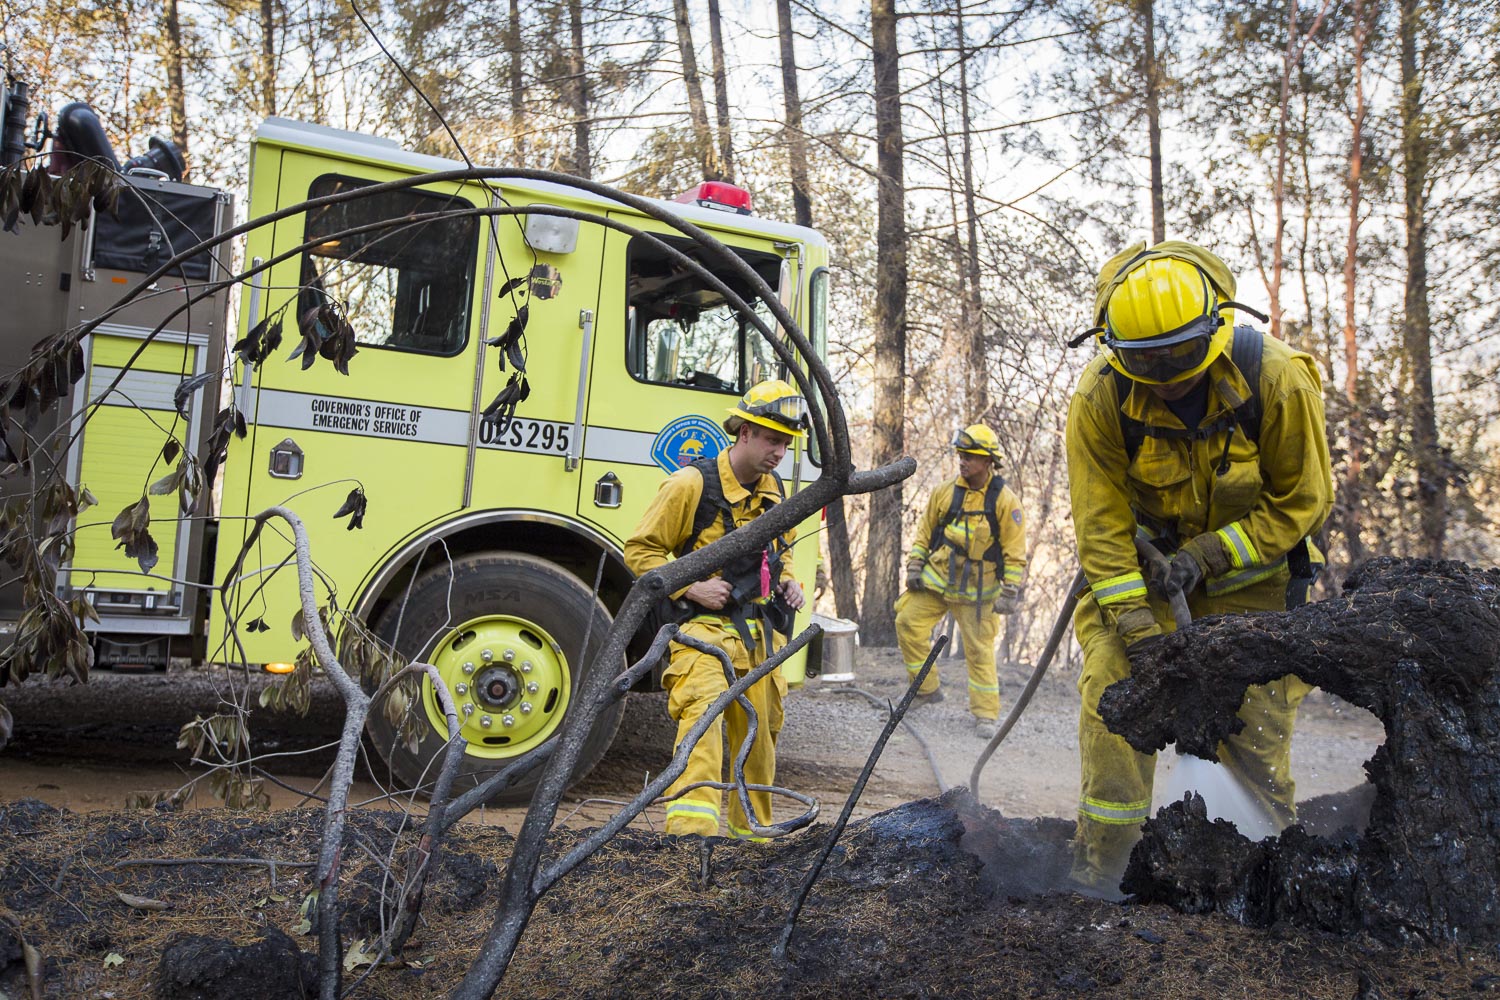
column 956, row 567
column 668, row 520
column 1273, row 493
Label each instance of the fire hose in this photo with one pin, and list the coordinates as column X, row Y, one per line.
column 1158, row 563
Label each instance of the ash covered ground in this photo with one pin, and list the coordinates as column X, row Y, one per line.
column 934, row 897
column 937, row 898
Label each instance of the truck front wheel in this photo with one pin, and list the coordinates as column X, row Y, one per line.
column 505, row 632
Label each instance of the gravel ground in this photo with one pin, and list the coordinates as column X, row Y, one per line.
column 89, row 747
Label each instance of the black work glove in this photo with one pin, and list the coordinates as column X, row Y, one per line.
column 1183, row 573
column 914, row 580
column 1186, row 573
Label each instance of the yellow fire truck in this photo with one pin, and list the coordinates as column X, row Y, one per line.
column 484, row 542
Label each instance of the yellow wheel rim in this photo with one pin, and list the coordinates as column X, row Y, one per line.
column 509, row 680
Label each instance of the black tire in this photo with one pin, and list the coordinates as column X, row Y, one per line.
column 516, row 604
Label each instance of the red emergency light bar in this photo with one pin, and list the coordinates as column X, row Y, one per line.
column 717, row 194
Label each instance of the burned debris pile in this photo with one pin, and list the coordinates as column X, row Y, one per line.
column 1415, row 642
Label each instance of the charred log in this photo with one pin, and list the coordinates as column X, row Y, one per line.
column 1413, row 641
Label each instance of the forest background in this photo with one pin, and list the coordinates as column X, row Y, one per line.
column 971, row 165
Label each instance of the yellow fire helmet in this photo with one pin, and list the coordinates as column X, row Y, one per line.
column 977, row 439
column 1164, row 313
column 1164, row 322
column 775, row 404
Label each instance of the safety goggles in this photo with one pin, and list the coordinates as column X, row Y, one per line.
column 964, row 441
column 1165, row 357
column 790, row 411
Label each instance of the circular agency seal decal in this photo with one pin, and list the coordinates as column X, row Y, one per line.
column 685, row 440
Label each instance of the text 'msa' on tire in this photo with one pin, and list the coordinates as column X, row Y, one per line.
column 505, row 632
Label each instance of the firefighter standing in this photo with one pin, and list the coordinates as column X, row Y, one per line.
column 729, row 608
column 967, row 559
column 1166, row 436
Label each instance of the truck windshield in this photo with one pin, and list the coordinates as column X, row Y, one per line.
column 682, row 331
column 408, row 287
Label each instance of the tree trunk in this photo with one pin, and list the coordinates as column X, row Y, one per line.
column 972, row 306
column 721, row 92
column 267, row 58
column 583, row 164
column 514, row 56
column 176, row 85
column 1278, row 182
column 1416, row 327
column 888, row 422
column 796, row 139
column 697, row 110
column 841, row 562
column 1353, row 494
column 1151, row 73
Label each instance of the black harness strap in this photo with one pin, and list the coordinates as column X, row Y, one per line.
column 742, row 574
column 994, row 554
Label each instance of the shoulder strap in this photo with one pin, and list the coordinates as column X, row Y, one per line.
column 1245, row 352
column 994, row 553
column 955, row 505
column 710, row 501
column 1131, row 429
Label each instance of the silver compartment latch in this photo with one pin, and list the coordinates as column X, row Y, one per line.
column 608, row 490
column 286, row 460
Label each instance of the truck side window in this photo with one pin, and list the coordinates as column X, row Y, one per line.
column 407, row 288
column 682, row 331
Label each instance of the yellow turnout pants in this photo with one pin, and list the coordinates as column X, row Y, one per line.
column 693, row 680
column 1115, row 795
column 918, row 611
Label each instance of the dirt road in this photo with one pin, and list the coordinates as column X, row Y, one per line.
column 90, row 748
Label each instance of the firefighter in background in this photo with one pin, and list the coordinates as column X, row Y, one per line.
column 968, row 559
column 733, row 609
column 1227, row 475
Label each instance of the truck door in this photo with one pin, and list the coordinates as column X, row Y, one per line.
column 397, row 423
column 671, row 357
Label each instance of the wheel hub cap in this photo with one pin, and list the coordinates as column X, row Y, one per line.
column 509, row 681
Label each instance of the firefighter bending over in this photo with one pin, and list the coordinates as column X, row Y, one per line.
column 1208, row 440
column 968, row 559
column 734, row 609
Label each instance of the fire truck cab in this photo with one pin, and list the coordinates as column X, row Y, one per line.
column 484, row 543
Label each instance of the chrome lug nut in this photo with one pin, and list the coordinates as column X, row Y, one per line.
column 460, row 689
column 486, row 722
column 525, row 666
column 525, row 708
column 507, row 720
column 486, row 655
column 469, row 667
column 468, row 710
column 532, row 687
column 510, row 656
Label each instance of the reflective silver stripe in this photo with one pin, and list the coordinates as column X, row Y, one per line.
column 1119, row 588
column 1243, row 552
column 1114, row 813
column 1238, row 581
column 695, row 808
column 983, row 687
